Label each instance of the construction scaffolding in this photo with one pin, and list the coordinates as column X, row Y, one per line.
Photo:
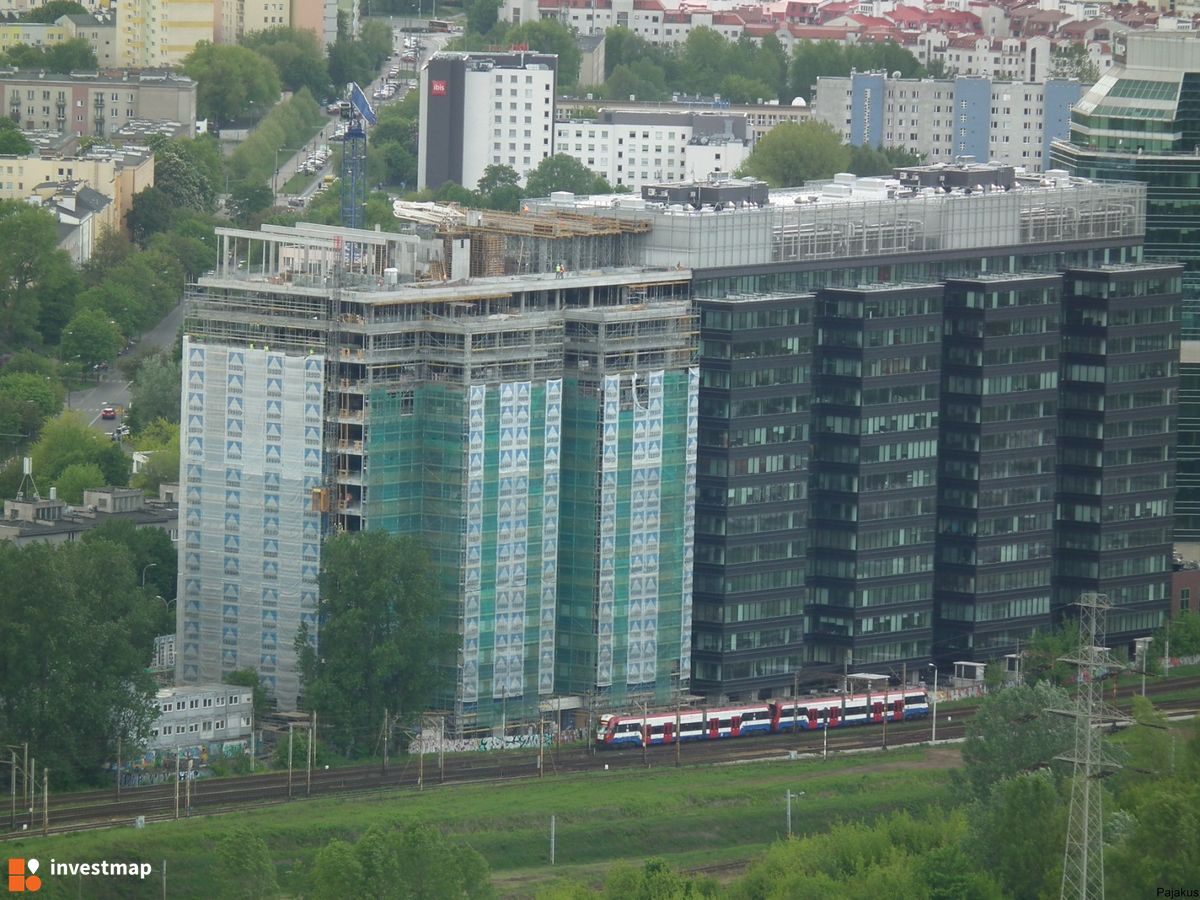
column 500, row 243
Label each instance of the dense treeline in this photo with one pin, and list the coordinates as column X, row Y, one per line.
column 78, row 628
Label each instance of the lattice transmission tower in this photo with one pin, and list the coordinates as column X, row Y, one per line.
column 1083, row 855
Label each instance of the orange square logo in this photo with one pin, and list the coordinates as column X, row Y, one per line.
column 22, row 877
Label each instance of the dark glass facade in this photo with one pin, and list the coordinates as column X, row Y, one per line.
column 901, row 460
column 1141, row 122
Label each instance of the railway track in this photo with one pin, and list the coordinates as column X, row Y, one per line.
column 99, row 809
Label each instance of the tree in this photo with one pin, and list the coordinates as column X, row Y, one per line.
column 77, row 635
column 381, row 643
column 1042, row 656
column 151, row 552
column 73, row 55
column 869, row 161
column 110, row 249
column 67, row 440
column 36, row 278
column 297, row 55
column 230, row 78
column 482, row 15
column 154, row 393
column 1072, row 60
column 26, row 401
column 495, row 177
column 12, row 141
column 337, row 873
column 246, row 869
column 91, row 338
column 52, row 11
column 189, row 171
column 160, row 440
column 563, row 173
column 793, row 153
column 551, row 36
column 1014, row 732
column 248, row 200
column 77, row 478
column 642, row 79
column 1017, row 834
column 193, row 254
column 151, row 212
column 1184, row 632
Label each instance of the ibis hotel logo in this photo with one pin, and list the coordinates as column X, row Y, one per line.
column 23, row 877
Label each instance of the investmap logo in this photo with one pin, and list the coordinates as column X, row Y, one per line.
column 22, row 876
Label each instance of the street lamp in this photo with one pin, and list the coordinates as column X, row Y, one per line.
column 146, row 569
column 933, row 737
column 275, row 179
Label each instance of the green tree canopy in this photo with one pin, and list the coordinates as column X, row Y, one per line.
column 37, row 281
column 1017, row 834
column 382, row 646
column 62, row 56
column 189, row 171
column 154, row 393
column 91, row 338
column 12, row 141
column 67, row 440
column 482, row 15
column 551, row 36
column 230, row 78
column 793, row 153
column 77, row 478
column 245, row 870
column 297, row 55
column 563, row 173
column 152, row 211
column 1013, row 732
column 413, row 863
column 52, row 11
column 77, row 636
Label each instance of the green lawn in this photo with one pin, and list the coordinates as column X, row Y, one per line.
column 692, row 817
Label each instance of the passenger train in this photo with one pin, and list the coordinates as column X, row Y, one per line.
column 772, row 717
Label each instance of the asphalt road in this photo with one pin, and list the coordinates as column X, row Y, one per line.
column 112, row 388
column 288, row 167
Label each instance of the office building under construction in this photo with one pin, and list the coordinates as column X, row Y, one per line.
column 536, row 430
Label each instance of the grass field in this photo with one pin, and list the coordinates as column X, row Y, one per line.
column 689, row 816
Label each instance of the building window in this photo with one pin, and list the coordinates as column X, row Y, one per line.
column 1185, row 599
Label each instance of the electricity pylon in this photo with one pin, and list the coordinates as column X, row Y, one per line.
column 1083, row 855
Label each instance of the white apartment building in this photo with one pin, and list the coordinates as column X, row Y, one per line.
column 161, row 32
column 205, row 716
column 1007, row 122
column 482, row 109
column 633, row 148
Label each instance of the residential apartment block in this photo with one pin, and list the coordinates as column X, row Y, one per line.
column 97, row 105
column 1011, row 123
column 634, row 148
column 482, row 109
column 760, row 117
column 162, row 32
